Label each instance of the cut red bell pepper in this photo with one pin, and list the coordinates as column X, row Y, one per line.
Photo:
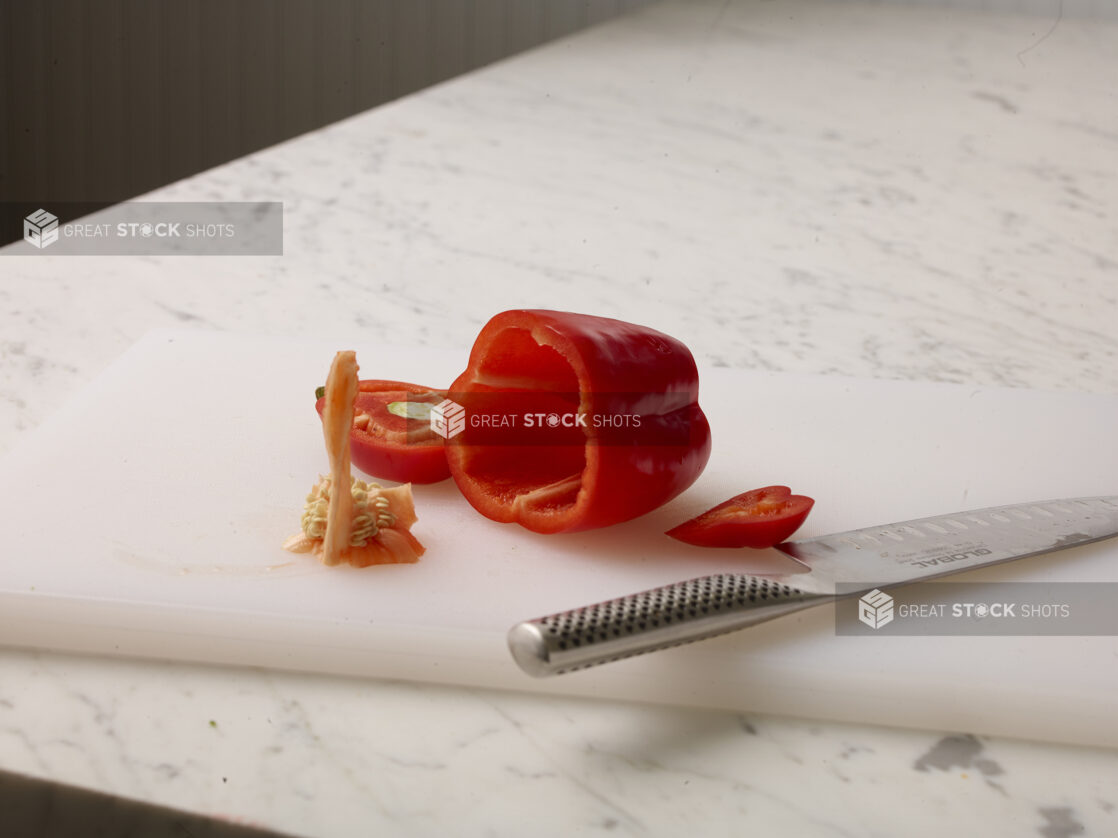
column 548, row 364
column 760, row 518
column 388, row 445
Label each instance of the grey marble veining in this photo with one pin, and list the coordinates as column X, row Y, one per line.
column 894, row 192
column 348, row 757
column 826, row 187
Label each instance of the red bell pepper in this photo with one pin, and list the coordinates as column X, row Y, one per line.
column 388, row 445
column 528, row 366
column 758, row 518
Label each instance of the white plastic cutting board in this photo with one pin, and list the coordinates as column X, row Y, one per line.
column 146, row 519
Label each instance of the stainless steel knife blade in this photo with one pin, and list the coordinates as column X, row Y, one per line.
column 860, row 560
column 926, row 548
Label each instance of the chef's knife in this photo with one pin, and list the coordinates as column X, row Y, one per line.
column 859, row 561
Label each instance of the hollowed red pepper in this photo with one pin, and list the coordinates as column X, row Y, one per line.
column 584, row 474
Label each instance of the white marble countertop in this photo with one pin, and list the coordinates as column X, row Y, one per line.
column 869, row 190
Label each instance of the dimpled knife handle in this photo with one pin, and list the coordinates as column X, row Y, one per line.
column 651, row 620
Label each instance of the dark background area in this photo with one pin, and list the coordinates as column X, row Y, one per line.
column 103, row 100
column 33, row 809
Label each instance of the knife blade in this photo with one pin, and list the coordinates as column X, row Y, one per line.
column 860, row 560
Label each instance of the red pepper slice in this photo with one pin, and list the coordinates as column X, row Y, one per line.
column 545, row 362
column 390, row 446
column 760, row 518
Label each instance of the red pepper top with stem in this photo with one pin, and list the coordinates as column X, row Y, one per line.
column 602, row 471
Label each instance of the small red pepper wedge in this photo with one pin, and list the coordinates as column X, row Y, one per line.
column 759, row 518
column 393, row 447
column 533, row 368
